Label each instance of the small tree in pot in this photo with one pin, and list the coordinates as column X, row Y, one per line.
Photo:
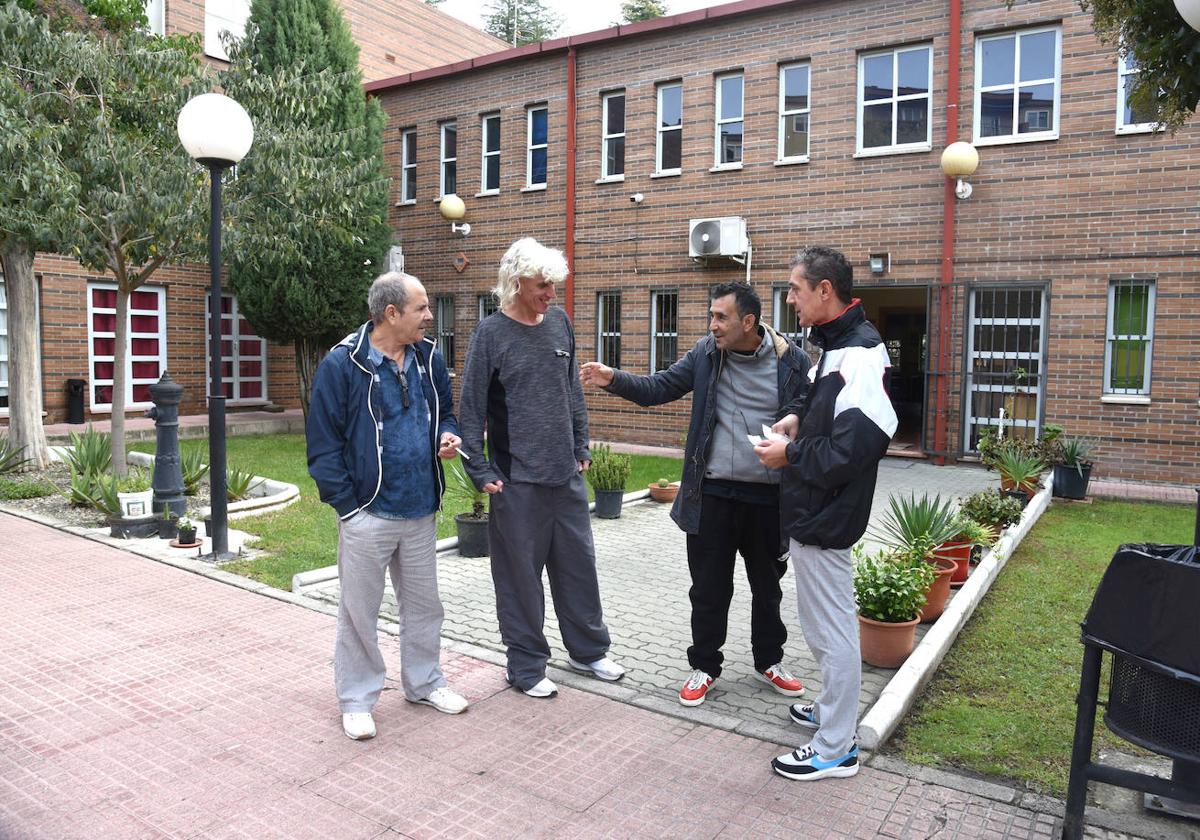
column 472, row 526
column 889, row 593
column 608, row 474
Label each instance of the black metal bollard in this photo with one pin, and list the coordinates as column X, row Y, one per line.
column 168, row 475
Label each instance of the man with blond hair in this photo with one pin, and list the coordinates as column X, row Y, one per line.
column 520, row 384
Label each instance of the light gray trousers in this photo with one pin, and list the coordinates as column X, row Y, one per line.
column 825, row 596
column 406, row 549
column 533, row 527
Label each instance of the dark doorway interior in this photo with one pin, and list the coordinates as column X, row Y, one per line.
column 901, row 314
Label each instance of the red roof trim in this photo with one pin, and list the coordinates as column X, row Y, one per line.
column 561, row 44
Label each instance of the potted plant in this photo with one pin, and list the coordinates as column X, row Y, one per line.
column 168, row 525
column 607, row 475
column 1019, row 471
column 918, row 531
column 663, row 490
column 991, row 509
column 134, row 494
column 889, row 593
column 187, row 533
column 472, row 525
column 971, row 535
column 1073, row 470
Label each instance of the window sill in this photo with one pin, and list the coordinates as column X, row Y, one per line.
column 1013, row 139
column 534, row 188
column 791, row 161
column 487, row 193
column 726, row 167
column 884, row 151
column 410, row 203
column 611, row 179
column 1125, row 399
column 667, row 173
column 1140, row 128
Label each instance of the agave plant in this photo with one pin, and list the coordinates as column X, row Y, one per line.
column 191, row 464
column 239, row 483
column 461, row 487
column 1019, row 470
column 1073, row 452
column 915, row 527
column 90, row 453
column 10, row 457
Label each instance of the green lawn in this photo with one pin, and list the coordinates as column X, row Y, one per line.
column 304, row 535
column 1003, row 701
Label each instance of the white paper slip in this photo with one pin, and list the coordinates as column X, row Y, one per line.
column 767, row 434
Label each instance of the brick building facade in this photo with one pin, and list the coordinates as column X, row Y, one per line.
column 1075, row 262
column 168, row 314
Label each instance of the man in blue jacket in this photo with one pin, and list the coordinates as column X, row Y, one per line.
column 381, row 415
column 829, row 463
column 742, row 375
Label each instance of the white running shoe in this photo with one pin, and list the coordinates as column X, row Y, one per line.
column 603, row 668
column 444, row 699
column 358, row 726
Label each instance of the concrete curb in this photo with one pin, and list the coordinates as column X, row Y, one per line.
column 276, row 496
column 898, row 695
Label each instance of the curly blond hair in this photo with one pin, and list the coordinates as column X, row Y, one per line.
column 528, row 258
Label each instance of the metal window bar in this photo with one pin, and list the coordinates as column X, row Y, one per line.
column 664, row 345
column 445, row 328
column 1129, row 337
column 487, row 305
column 608, row 311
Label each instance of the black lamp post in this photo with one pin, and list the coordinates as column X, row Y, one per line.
column 217, row 133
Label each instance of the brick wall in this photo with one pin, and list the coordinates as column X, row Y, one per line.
column 1067, row 213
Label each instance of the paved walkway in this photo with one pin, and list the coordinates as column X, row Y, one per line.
column 644, row 582
column 142, row 701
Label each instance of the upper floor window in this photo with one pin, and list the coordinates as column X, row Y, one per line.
column 448, row 182
column 613, row 153
column 668, row 151
column 223, row 16
column 1130, row 337
column 537, row 143
column 793, row 113
column 1016, row 86
column 489, row 175
column 146, row 358
column 729, row 125
column 608, row 328
column 1131, row 120
column 664, row 329
column 443, row 312
column 155, row 17
column 894, row 101
column 408, row 165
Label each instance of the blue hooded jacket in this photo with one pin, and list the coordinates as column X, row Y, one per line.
column 344, row 454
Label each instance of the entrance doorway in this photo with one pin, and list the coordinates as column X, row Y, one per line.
column 901, row 314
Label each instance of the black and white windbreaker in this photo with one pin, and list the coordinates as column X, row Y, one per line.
column 826, row 489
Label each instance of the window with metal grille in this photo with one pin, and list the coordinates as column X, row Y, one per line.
column 408, row 166
column 784, row 318
column 449, row 174
column 669, row 149
column 793, row 113
column 1130, row 337
column 894, row 100
column 147, row 343
column 489, row 176
column 444, row 314
column 664, row 329
column 608, row 328
column 487, row 304
column 613, row 136
column 729, row 125
column 1017, row 86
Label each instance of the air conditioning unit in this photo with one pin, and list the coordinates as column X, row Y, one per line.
column 723, row 237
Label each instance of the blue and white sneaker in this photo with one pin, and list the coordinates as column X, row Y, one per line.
column 803, row 714
column 805, row 765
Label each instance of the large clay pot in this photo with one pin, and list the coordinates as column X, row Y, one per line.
column 886, row 644
column 939, row 590
column 960, row 554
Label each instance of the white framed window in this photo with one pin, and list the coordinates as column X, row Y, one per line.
column 1129, row 342
column 243, row 354
column 894, row 103
column 612, row 141
column 664, row 329
column 793, row 113
column 1131, row 120
column 730, row 127
column 155, row 17
column 4, row 352
column 608, row 328
column 448, row 177
column 487, row 304
column 668, row 147
column 146, row 358
column 443, row 312
column 408, row 166
column 537, row 145
column 223, row 16
column 489, row 143
column 1017, row 86
column 783, row 317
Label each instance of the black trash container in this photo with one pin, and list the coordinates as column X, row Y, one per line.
column 76, row 388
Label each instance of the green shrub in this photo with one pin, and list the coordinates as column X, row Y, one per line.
column 10, row 457
column 137, row 480
column 609, row 470
column 191, row 464
column 25, row 488
column 890, row 590
column 988, row 507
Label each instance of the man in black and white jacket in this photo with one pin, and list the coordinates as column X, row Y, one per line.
column 828, row 479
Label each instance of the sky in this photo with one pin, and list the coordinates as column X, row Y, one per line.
column 577, row 16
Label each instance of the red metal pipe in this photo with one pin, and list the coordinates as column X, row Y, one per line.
column 569, row 290
column 948, row 208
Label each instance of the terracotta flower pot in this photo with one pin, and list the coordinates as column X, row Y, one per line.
column 939, row 590
column 960, row 554
column 885, row 644
column 663, row 494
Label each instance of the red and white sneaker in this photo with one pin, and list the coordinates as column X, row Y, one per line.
column 695, row 689
column 780, row 680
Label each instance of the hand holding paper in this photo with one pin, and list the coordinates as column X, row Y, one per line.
column 767, row 435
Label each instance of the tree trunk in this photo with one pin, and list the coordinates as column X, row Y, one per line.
column 120, row 379
column 309, row 353
column 25, row 428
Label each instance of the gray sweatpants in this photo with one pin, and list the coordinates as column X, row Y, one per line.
column 533, row 527
column 406, row 549
column 825, row 596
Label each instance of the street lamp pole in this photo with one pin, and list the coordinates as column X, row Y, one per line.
column 217, row 133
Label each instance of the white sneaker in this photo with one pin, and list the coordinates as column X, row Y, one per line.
column 444, row 699
column 544, row 688
column 358, row 726
column 604, row 668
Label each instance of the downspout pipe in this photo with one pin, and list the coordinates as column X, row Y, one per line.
column 940, row 437
column 569, row 290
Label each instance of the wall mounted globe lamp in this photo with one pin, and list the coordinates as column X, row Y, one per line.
column 959, row 161
column 453, row 210
column 217, row 133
